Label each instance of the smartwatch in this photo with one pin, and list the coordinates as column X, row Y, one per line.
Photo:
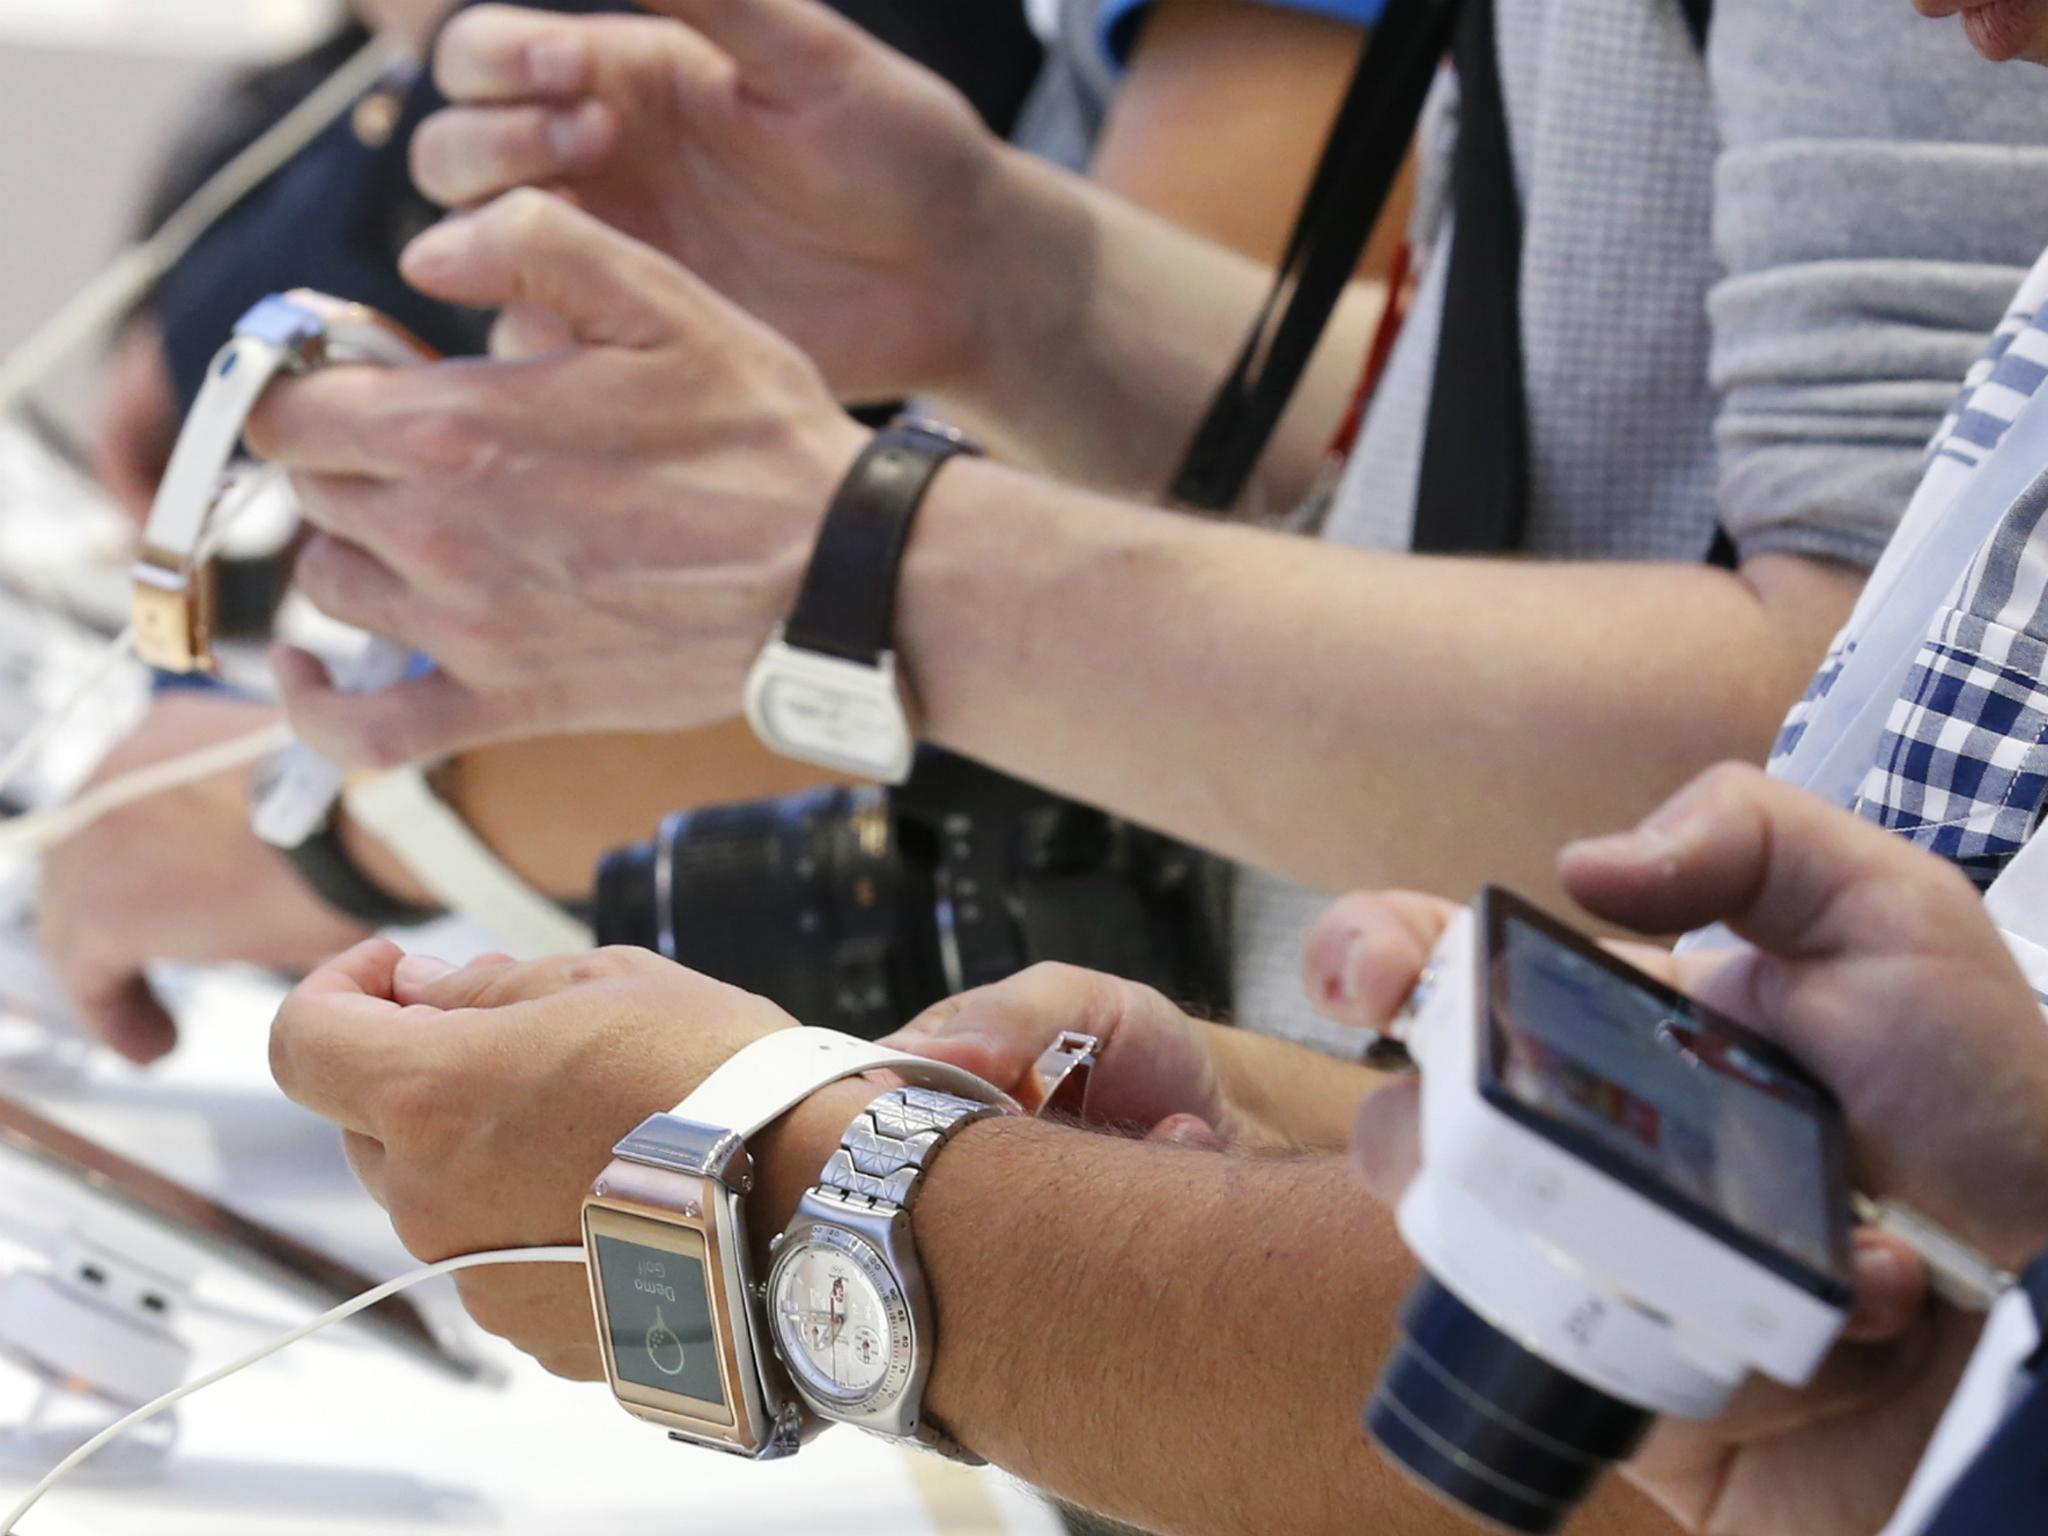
column 849, row 1311
column 826, row 689
column 290, row 333
column 679, row 1321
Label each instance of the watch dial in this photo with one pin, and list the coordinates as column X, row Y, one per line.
column 832, row 1322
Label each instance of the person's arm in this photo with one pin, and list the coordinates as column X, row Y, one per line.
column 1340, row 714
column 1185, row 1342
column 1329, row 714
column 552, row 807
column 850, row 182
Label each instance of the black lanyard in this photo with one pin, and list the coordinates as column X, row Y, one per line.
column 1472, row 494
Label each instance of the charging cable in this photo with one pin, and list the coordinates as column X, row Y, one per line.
column 346, row 1310
column 128, row 280
column 34, row 831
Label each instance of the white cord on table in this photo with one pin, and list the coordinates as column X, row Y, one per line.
column 341, row 1313
column 127, row 281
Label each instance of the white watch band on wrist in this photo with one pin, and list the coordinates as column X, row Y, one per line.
column 443, row 853
column 779, row 1071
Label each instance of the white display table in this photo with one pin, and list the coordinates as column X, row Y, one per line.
column 342, row 1435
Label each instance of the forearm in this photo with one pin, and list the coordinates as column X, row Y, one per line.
column 1103, row 331
column 1342, row 717
column 551, row 808
column 1217, row 1323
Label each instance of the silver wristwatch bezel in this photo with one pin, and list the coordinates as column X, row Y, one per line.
column 840, row 685
column 879, row 1241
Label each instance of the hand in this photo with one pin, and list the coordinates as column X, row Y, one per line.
column 600, row 538
column 1875, row 965
column 179, row 876
column 1998, row 29
column 480, row 1104
column 138, row 419
column 820, row 180
column 1157, row 1070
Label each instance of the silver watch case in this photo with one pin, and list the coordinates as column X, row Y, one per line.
column 879, row 1240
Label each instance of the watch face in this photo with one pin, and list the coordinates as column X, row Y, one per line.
column 840, row 1320
column 658, row 1313
column 841, row 723
column 828, row 710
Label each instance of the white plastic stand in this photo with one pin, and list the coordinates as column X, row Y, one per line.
column 99, row 1331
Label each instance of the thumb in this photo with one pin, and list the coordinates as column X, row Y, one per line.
column 532, row 251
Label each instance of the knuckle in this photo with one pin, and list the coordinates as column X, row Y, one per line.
column 447, row 439
column 521, row 216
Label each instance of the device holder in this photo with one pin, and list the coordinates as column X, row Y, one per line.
column 100, row 1331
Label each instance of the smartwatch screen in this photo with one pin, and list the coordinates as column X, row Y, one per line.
column 1686, row 1107
column 658, row 1311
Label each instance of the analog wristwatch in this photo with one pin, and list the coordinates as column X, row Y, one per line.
column 849, row 1313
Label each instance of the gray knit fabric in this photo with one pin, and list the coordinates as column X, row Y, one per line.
column 1750, row 286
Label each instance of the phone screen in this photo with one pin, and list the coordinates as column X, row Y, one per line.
column 1685, row 1106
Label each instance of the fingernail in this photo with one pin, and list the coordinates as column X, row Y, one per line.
column 557, row 64
column 1329, row 961
column 418, row 971
column 579, row 136
column 441, row 246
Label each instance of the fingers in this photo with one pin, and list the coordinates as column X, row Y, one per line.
column 536, row 251
column 468, row 155
column 784, row 49
column 1768, row 859
column 422, row 719
column 1891, row 1287
column 338, row 1033
column 495, row 53
column 1364, row 956
column 998, row 1032
column 346, row 584
column 495, row 982
column 1187, row 1131
column 125, row 1014
column 1386, row 1139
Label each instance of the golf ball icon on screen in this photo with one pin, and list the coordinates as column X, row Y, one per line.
column 664, row 1349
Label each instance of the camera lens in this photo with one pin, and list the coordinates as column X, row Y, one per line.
column 819, row 902
column 1497, row 1430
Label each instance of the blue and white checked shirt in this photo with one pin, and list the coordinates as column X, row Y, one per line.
column 1962, row 768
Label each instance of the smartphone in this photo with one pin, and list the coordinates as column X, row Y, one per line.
column 1684, row 1106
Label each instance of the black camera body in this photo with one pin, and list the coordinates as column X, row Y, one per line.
column 856, row 908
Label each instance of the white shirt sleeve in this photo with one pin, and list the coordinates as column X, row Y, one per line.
column 1995, row 1380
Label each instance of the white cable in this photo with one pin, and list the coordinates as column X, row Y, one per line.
column 127, row 281
column 341, row 1313
column 21, row 832
column 34, row 831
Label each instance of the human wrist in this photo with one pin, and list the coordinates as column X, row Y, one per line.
column 1020, row 244
column 790, row 1155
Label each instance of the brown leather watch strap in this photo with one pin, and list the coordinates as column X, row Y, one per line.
column 847, row 606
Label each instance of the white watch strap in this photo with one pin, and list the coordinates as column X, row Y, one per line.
column 777, row 1072
column 401, row 810
column 185, row 500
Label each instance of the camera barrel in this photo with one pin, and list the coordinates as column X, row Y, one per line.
column 1491, row 1426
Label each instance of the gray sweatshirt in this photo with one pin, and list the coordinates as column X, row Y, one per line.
column 1750, row 286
